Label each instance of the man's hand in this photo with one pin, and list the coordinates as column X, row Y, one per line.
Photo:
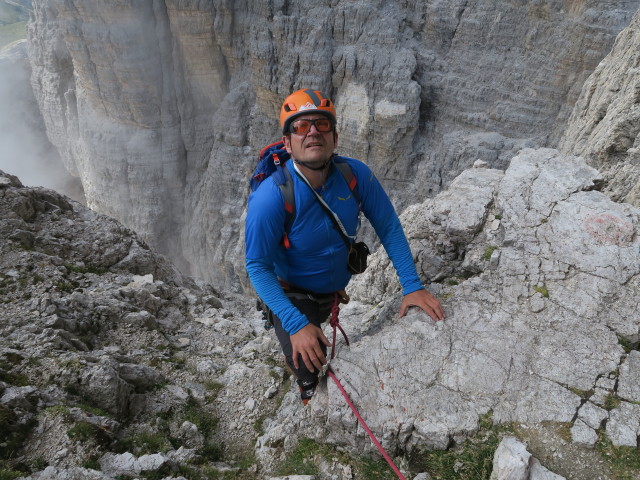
column 305, row 343
column 423, row 300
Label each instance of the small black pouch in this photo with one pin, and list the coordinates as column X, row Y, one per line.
column 267, row 315
column 358, row 252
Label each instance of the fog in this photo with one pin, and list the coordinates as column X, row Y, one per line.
column 25, row 150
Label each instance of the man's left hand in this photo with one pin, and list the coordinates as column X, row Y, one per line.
column 423, row 300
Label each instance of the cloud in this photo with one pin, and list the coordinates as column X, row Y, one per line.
column 24, row 148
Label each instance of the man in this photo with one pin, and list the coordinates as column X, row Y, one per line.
column 297, row 282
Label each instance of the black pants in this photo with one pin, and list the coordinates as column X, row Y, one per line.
column 317, row 308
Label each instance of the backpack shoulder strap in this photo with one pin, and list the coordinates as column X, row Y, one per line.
column 344, row 168
column 285, row 184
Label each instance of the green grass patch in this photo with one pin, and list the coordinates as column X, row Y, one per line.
column 270, row 361
column 39, row 464
column 611, row 401
column 258, row 425
column 213, row 388
column 488, row 251
column 94, row 410
column 473, row 460
column 623, row 461
column 146, row 443
column 209, row 473
column 34, row 362
column 65, row 286
column 13, row 432
column 13, row 379
column 583, row 394
column 542, row 290
column 627, row 344
column 91, row 463
column 486, row 421
column 299, row 461
column 86, row 269
column 86, row 432
column 374, row 469
column 59, row 410
column 212, row 452
column 564, row 431
column 194, row 413
column 6, row 474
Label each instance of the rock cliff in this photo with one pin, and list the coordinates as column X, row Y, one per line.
column 114, row 365
column 539, row 275
column 111, row 362
column 605, row 124
column 163, row 104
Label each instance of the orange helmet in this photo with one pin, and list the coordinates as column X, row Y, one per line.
column 305, row 101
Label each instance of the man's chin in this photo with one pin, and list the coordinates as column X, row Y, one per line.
column 316, row 163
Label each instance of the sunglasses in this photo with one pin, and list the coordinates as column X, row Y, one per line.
column 302, row 126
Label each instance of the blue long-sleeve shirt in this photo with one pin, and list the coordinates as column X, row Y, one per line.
column 317, row 257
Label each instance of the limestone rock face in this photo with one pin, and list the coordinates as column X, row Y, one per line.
column 160, row 107
column 605, row 124
column 103, row 342
column 539, row 276
column 512, row 461
column 108, row 354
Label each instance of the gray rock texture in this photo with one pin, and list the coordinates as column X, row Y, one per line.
column 605, row 124
column 537, row 273
column 164, row 104
column 107, row 352
column 109, row 355
column 512, row 461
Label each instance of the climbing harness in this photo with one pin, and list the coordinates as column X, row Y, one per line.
column 335, row 323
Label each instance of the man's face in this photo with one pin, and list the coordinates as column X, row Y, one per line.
column 313, row 147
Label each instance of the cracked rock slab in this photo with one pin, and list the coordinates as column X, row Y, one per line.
column 629, row 382
column 422, row 383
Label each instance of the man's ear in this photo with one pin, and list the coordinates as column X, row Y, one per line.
column 286, row 139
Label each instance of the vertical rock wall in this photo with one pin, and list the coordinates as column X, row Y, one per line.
column 605, row 124
column 161, row 106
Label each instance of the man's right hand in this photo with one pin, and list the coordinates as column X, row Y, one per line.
column 305, row 342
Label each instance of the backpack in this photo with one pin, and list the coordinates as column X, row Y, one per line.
column 271, row 162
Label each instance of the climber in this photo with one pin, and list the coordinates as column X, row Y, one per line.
column 296, row 279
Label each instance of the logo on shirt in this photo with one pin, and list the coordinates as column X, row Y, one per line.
column 343, row 199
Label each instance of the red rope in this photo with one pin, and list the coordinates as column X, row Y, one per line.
column 335, row 323
column 364, row 425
